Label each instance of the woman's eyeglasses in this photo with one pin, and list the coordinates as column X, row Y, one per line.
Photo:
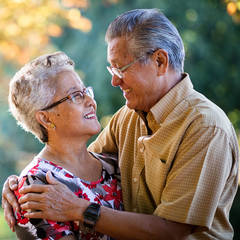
column 76, row 97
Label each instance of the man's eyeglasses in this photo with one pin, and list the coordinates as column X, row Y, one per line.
column 76, row 97
column 119, row 71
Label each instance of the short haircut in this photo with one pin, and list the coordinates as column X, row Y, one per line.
column 33, row 87
column 146, row 31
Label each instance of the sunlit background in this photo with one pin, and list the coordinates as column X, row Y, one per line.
column 28, row 28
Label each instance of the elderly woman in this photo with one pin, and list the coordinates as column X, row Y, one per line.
column 48, row 99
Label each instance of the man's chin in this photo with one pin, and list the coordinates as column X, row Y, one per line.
column 135, row 107
column 131, row 105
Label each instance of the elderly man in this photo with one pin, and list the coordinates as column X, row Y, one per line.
column 177, row 151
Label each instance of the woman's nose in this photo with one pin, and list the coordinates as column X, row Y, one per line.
column 89, row 101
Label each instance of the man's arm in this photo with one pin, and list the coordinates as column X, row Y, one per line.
column 58, row 203
column 22, row 231
column 127, row 225
column 9, row 201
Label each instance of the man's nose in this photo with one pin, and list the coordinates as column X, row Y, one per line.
column 116, row 81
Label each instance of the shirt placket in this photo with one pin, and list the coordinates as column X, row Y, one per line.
column 138, row 164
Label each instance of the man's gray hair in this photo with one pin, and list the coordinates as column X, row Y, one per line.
column 146, row 31
column 33, row 87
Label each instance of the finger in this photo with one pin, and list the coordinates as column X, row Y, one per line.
column 13, row 182
column 32, row 206
column 9, row 217
column 51, row 179
column 10, row 201
column 36, row 214
column 36, row 188
column 30, row 197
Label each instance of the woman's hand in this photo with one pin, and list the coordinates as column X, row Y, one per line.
column 9, row 200
column 54, row 201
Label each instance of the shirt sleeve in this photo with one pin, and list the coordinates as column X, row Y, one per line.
column 40, row 228
column 200, row 177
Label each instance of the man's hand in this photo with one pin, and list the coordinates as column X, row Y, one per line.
column 54, row 201
column 9, row 201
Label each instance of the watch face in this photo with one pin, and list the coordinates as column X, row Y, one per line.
column 91, row 215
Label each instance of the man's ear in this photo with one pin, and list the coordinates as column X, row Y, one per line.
column 43, row 119
column 160, row 58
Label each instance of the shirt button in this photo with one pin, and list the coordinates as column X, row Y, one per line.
column 142, row 148
column 134, row 180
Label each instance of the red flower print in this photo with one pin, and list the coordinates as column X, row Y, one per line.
column 90, row 186
column 79, row 193
column 20, row 218
column 98, row 198
column 20, row 185
column 35, row 169
column 85, row 196
column 113, row 193
column 68, row 175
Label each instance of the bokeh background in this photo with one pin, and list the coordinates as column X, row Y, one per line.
column 210, row 30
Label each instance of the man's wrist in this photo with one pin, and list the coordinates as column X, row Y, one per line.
column 91, row 215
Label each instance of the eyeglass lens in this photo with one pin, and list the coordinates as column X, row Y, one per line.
column 78, row 97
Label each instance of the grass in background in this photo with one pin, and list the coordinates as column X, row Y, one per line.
column 5, row 231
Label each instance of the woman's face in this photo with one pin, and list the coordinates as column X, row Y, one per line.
column 73, row 119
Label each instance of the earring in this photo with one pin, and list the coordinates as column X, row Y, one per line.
column 52, row 125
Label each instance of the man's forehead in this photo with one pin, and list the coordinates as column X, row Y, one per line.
column 117, row 50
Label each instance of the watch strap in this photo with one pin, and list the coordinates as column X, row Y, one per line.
column 91, row 215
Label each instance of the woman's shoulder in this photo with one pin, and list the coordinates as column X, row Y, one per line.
column 28, row 168
column 33, row 174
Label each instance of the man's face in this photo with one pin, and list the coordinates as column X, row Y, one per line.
column 139, row 81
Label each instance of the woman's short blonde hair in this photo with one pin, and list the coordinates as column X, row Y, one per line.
column 33, row 87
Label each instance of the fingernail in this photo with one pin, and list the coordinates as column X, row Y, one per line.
column 11, row 226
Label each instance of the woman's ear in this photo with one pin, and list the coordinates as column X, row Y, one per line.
column 160, row 57
column 43, row 119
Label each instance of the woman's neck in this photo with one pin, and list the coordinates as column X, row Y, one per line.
column 75, row 158
column 64, row 154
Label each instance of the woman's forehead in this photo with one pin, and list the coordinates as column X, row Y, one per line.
column 68, row 80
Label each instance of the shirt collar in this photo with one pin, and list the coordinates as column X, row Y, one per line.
column 168, row 102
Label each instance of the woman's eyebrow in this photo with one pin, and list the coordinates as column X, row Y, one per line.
column 70, row 90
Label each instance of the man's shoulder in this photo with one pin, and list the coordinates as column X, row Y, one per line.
column 123, row 114
column 207, row 113
column 125, row 110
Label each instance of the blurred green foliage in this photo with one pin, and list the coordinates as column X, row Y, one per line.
column 211, row 39
column 5, row 231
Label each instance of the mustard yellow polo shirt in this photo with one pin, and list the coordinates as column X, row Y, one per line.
column 186, row 170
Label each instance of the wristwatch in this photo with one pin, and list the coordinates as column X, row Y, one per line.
column 91, row 215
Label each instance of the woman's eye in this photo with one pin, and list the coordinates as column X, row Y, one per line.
column 77, row 96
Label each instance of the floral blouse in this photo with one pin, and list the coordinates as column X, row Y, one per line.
column 106, row 192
